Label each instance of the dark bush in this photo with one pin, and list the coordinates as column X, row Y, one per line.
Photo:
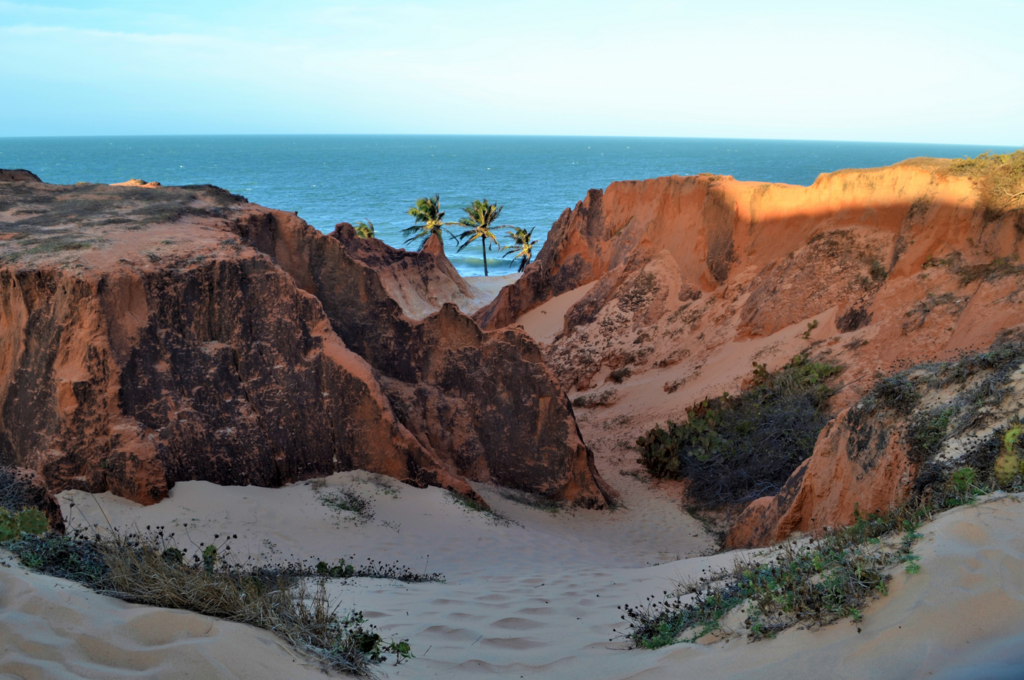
column 733, row 449
column 927, row 431
column 895, row 392
column 620, row 374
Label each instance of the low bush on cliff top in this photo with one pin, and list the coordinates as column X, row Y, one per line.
column 999, row 177
column 733, row 449
column 290, row 599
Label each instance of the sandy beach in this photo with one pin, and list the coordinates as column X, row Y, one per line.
column 534, row 596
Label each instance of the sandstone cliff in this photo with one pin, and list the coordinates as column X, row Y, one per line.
column 690, row 280
column 152, row 335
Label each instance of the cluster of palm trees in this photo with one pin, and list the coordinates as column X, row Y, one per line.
column 477, row 225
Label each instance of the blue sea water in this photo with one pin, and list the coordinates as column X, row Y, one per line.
column 334, row 178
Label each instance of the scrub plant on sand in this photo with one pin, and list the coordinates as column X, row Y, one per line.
column 733, row 449
column 811, row 584
column 290, row 599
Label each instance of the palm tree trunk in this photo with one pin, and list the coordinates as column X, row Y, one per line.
column 483, row 244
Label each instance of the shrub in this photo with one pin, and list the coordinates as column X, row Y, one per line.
column 895, row 392
column 736, row 448
column 1008, row 464
column 347, row 499
column 472, row 505
column 603, row 398
column 926, row 432
column 28, row 521
column 289, row 599
column 999, row 177
column 830, row 578
column 620, row 374
column 14, row 492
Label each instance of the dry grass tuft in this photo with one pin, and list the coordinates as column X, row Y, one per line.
column 139, row 571
column 290, row 599
column 999, row 178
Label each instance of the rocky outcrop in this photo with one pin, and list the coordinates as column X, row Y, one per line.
column 420, row 281
column 694, row 279
column 153, row 335
column 484, row 402
column 861, row 463
column 18, row 176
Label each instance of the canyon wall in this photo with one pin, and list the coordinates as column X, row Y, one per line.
column 154, row 335
column 692, row 280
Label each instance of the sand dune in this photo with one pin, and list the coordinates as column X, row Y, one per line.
column 535, row 598
column 51, row 628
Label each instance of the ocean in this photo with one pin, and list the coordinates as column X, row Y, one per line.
column 348, row 178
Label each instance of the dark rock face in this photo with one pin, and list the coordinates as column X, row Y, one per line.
column 483, row 402
column 135, row 353
column 233, row 377
column 18, row 176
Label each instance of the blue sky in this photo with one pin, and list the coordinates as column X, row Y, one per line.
column 873, row 71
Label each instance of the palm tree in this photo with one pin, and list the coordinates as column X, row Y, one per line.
column 365, row 229
column 429, row 220
column 479, row 221
column 522, row 248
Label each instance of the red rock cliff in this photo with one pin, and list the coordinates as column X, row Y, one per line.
column 145, row 339
column 696, row 278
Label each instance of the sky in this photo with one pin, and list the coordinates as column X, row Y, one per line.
column 859, row 70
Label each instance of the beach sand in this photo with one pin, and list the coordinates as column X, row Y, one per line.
column 535, row 597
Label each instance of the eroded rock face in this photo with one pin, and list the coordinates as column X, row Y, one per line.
column 147, row 340
column 694, row 279
column 484, row 402
column 861, row 463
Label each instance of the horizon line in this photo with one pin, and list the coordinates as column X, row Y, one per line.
column 506, row 135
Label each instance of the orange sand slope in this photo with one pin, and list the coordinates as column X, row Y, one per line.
column 536, row 600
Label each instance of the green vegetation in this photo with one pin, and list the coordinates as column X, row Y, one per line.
column 1008, row 465
column 999, row 177
column 827, row 579
column 472, row 505
column 620, row 374
column 429, row 220
column 347, row 499
column 365, row 229
column 290, row 599
column 895, row 392
column 478, row 224
column 733, row 449
column 521, row 248
column 28, row 521
column 927, row 432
